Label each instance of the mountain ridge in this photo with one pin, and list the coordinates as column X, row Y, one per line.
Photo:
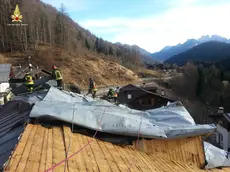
column 212, row 51
column 170, row 51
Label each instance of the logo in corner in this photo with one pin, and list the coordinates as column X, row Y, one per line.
column 17, row 17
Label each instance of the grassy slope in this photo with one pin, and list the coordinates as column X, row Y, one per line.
column 77, row 68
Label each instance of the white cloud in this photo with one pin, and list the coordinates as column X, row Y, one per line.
column 169, row 28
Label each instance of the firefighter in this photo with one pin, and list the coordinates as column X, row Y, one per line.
column 92, row 88
column 58, row 77
column 115, row 96
column 112, row 94
column 117, row 90
column 29, row 82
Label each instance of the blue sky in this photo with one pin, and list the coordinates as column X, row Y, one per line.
column 150, row 24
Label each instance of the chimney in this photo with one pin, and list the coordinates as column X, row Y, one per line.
column 220, row 111
column 162, row 92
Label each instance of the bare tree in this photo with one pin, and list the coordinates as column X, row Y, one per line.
column 47, row 25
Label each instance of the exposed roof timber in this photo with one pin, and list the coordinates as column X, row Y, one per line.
column 41, row 148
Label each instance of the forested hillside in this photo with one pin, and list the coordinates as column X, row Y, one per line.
column 212, row 51
column 202, row 90
column 51, row 27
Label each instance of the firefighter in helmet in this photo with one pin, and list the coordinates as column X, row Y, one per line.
column 92, row 88
column 29, row 82
column 58, row 77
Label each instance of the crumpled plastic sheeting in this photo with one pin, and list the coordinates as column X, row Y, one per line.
column 216, row 157
column 89, row 115
column 55, row 94
column 119, row 120
column 176, row 121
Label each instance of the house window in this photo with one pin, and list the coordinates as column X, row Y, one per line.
column 129, row 95
column 147, row 102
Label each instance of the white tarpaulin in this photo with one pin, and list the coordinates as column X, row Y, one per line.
column 216, row 157
column 175, row 120
column 70, row 97
column 172, row 121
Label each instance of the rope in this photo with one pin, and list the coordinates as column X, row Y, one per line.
column 81, row 149
column 137, row 143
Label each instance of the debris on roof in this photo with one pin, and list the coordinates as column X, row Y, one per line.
column 13, row 116
column 39, row 82
column 41, row 148
column 5, row 70
column 5, row 73
column 216, row 157
column 43, row 82
column 172, row 121
column 31, row 98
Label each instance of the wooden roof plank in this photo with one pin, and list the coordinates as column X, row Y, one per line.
column 140, row 159
column 67, row 140
column 89, row 165
column 201, row 154
column 136, row 160
column 92, row 161
column 59, row 153
column 70, row 145
column 148, row 162
column 183, row 153
column 114, row 167
column 180, row 150
column 42, row 166
column 98, row 155
column 49, row 152
column 15, row 159
column 119, row 160
column 79, row 158
column 128, row 158
column 33, row 162
column 26, row 152
column 177, row 149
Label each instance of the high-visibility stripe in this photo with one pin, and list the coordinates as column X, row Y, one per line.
column 29, row 80
column 58, row 75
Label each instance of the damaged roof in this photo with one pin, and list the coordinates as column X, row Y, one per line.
column 42, row 149
column 172, row 121
column 13, row 116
